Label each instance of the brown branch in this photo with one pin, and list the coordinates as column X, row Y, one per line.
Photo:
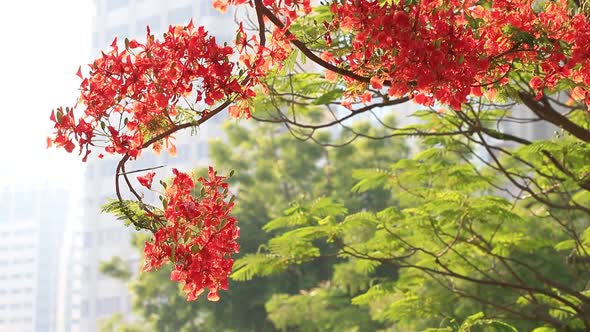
column 120, row 170
column 329, row 124
column 547, row 113
column 309, row 53
column 260, row 16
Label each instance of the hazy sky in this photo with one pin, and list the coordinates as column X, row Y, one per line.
column 42, row 44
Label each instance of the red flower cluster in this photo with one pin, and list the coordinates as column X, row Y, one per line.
column 146, row 180
column 287, row 8
column 258, row 59
column 130, row 100
column 445, row 50
column 433, row 50
column 550, row 42
column 131, row 95
column 425, row 49
column 199, row 236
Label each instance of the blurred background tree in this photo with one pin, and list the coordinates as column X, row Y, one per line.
column 276, row 171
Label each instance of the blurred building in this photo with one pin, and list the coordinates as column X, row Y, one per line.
column 32, row 219
column 87, row 295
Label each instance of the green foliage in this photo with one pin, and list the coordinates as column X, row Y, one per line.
column 130, row 212
column 452, row 248
column 115, row 268
column 313, row 310
column 477, row 320
column 276, row 171
column 374, row 242
column 116, row 323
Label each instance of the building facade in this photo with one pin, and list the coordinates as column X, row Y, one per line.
column 32, row 219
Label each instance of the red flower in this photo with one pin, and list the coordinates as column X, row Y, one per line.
column 146, row 180
column 376, row 82
column 199, row 236
column 536, row 83
column 143, row 87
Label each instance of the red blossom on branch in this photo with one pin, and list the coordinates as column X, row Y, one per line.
column 131, row 95
column 199, row 236
column 146, row 180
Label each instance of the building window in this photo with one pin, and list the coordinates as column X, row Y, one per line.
column 100, row 238
column 116, row 4
column 225, row 37
column 23, row 206
column 86, row 272
column 85, row 309
column 206, row 8
column 87, row 240
column 121, row 32
column 141, row 27
column 109, row 168
column 5, row 205
column 107, row 306
column 129, row 303
column 183, row 153
column 90, row 168
column 202, row 150
column 133, row 265
column 180, row 16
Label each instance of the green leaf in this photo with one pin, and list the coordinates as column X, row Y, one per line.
column 259, row 265
column 565, row 245
column 328, row 97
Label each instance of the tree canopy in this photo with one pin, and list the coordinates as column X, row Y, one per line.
column 490, row 224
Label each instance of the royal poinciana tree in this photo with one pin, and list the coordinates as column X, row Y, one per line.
column 480, row 69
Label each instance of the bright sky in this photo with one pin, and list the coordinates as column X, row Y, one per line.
column 42, row 44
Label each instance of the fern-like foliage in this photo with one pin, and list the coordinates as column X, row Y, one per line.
column 131, row 212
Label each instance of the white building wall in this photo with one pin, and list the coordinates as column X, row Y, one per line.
column 18, row 270
column 32, row 218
